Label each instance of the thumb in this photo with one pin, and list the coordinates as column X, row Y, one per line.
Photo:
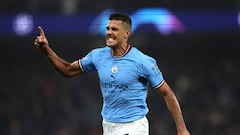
column 41, row 32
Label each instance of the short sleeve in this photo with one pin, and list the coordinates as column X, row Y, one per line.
column 153, row 73
column 87, row 64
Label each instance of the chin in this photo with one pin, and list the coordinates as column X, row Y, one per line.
column 110, row 45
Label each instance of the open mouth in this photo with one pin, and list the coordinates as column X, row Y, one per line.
column 110, row 39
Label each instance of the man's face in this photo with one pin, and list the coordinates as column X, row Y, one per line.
column 116, row 33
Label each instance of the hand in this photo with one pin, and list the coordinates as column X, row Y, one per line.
column 41, row 40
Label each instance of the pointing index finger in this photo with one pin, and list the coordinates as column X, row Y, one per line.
column 40, row 29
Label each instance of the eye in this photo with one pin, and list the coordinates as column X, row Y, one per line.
column 114, row 29
column 107, row 28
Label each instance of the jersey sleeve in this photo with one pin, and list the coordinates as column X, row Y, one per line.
column 87, row 64
column 153, row 73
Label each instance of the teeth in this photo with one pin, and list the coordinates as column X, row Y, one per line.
column 110, row 39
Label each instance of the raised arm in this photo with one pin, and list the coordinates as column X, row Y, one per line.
column 174, row 108
column 65, row 68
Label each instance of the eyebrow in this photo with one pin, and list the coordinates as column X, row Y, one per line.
column 113, row 28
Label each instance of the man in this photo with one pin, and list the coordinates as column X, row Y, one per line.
column 124, row 74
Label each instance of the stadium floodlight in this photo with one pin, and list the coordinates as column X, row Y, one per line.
column 23, row 24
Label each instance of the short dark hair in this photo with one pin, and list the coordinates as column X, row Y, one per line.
column 123, row 17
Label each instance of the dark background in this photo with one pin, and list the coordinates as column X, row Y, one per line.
column 201, row 67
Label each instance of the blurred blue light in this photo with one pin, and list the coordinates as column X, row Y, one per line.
column 239, row 18
column 98, row 25
column 145, row 20
column 162, row 19
column 23, row 24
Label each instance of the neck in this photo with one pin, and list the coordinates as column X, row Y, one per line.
column 119, row 51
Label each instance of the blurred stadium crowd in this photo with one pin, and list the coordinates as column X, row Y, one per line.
column 202, row 69
column 74, row 6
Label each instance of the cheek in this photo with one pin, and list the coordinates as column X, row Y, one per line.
column 122, row 36
column 125, row 35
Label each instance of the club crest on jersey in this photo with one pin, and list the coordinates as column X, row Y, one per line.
column 114, row 69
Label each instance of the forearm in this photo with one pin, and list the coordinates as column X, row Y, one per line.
column 65, row 68
column 58, row 63
column 174, row 108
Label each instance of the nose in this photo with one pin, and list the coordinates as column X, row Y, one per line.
column 108, row 32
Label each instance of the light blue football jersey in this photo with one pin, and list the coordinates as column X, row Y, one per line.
column 123, row 81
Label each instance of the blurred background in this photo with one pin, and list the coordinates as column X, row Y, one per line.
column 196, row 44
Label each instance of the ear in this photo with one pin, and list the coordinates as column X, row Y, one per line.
column 128, row 34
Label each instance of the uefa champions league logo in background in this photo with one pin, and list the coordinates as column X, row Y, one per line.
column 162, row 19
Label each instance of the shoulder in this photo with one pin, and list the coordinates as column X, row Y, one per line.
column 141, row 56
column 99, row 52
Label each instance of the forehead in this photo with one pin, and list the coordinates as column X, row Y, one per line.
column 114, row 23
